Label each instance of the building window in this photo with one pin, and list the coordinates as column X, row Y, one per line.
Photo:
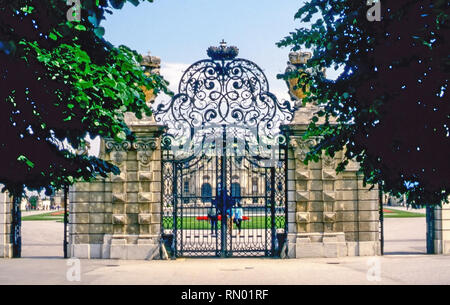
column 206, row 192
column 186, row 191
column 236, row 191
column 255, row 189
column 255, row 186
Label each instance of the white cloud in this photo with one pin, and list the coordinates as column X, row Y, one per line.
column 94, row 150
column 280, row 91
column 172, row 72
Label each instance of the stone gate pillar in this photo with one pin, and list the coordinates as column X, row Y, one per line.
column 329, row 214
column 119, row 217
column 5, row 225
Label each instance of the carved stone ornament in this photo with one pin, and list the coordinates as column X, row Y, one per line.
column 119, row 219
column 296, row 61
column 302, row 147
column 328, row 162
column 297, row 58
column 302, row 217
column 118, row 157
column 329, row 217
column 145, row 148
column 112, row 145
column 145, row 144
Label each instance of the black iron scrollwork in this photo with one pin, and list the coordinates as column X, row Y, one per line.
column 223, row 90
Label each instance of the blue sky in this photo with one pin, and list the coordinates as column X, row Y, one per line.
column 180, row 31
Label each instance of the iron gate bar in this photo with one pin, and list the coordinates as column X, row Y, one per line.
column 66, row 221
column 272, row 208
column 222, row 194
column 381, row 216
column 218, row 249
column 175, row 207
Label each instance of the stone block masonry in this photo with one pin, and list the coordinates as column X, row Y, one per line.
column 119, row 217
column 329, row 214
column 5, row 225
column 442, row 229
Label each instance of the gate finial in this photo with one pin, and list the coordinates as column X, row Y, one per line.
column 222, row 52
column 223, row 44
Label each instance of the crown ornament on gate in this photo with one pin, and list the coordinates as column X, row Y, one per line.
column 223, row 52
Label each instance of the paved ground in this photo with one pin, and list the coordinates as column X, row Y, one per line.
column 402, row 236
column 405, row 236
column 420, row 269
column 43, row 240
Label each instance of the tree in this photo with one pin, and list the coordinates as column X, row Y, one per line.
column 389, row 108
column 61, row 81
column 33, row 202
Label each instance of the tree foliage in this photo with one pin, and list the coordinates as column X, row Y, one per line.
column 390, row 105
column 33, row 200
column 60, row 81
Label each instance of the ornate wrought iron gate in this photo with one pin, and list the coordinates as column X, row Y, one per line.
column 224, row 161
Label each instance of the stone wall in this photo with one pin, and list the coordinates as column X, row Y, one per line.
column 5, row 225
column 119, row 216
column 442, row 229
column 330, row 215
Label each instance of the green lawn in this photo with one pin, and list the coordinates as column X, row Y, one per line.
column 44, row 217
column 394, row 213
column 255, row 222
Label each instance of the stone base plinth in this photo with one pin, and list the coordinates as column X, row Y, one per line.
column 328, row 245
column 442, row 247
column 442, row 229
column 6, row 251
column 125, row 247
column 5, row 225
